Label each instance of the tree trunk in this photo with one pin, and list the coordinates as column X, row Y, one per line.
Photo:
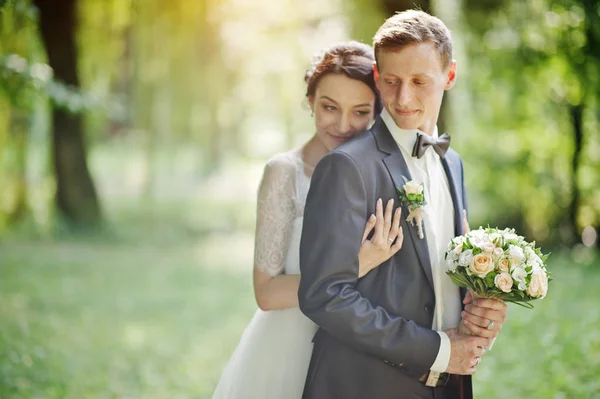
column 76, row 196
column 576, row 113
column 20, row 130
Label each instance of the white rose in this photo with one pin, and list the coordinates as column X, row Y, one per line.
column 465, row 258
column 530, row 253
column 516, row 254
column 412, row 188
column 476, row 233
column 510, row 237
column 504, row 282
column 451, row 264
column 489, row 247
column 481, row 265
column 504, row 265
column 458, row 250
column 458, row 241
column 495, row 238
column 498, row 252
column 478, row 242
column 538, row 286
column 519, row 274
column 535, row 268
column 535, row 262
column 451, row 256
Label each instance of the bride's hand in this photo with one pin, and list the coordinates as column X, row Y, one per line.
column 386, row 240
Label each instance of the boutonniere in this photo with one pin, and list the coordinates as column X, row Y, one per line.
column 413, row 194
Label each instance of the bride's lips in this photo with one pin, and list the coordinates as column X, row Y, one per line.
column 339, row 139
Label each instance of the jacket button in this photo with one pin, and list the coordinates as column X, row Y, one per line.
column 428, row 309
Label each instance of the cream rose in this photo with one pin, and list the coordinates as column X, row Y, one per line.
column 482, row 264
column 538, row 286
column 412, row 188
column 504, row 265
column 504, row 282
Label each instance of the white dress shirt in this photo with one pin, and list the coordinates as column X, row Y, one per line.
column 438, row 221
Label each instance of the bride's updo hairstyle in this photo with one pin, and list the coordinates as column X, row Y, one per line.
column 353, row 59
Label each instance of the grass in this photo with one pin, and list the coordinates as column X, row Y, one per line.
column 97, row 319
column 157, row 316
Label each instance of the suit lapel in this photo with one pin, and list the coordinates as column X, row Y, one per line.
column 452, row 177
column 456, row 201
column 398, row 170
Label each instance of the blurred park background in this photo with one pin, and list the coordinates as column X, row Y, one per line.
column 132, row 139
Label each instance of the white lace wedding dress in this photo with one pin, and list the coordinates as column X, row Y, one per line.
column 271, row 359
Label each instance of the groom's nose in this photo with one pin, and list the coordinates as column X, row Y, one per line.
column 404, row 94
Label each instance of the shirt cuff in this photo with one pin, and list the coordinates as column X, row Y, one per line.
column 443, row 357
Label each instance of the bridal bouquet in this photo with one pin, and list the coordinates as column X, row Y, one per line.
column 495, row 263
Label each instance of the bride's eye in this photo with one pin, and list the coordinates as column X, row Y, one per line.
column 329, row 107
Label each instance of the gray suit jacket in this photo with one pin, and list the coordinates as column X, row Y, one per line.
column 375, row 338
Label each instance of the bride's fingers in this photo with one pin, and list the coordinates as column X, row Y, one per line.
column 369, row 226
column 400, row 238
column 379, row 220
column 387, row 218
column 395, row 227
column 399, row 241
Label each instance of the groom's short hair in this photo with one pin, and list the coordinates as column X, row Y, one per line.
column 414, row 26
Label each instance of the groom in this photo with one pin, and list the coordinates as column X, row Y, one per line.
column 392, row 334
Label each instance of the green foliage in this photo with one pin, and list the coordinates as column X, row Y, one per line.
column 528, row 65
column 21, row 81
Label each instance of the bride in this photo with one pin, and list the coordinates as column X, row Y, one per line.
column 271, row 359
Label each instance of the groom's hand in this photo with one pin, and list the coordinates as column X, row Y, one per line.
column 484, row 317
column 465, row 352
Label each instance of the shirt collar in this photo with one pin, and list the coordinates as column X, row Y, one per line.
column 405, row 138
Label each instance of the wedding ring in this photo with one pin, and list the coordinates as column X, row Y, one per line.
column 391, row 239
column 491, row 325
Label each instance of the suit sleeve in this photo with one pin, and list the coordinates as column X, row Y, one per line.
column 334, row 220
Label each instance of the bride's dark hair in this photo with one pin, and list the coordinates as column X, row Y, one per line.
column 352, row 59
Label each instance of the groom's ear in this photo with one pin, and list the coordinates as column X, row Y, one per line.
column 376, row 74
column 451, row 78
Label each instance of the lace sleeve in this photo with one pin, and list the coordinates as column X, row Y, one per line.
column 275, row 214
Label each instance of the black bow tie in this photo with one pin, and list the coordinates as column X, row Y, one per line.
column 440, row 145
